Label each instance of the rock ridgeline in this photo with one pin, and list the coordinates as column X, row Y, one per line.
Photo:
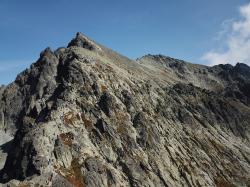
column 87, row 116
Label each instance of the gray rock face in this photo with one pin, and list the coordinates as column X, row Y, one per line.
column 87, row 116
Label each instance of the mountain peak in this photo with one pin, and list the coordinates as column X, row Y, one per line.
column 84, row 117
column 242, row 67
column 83, row 41
column 46, row 51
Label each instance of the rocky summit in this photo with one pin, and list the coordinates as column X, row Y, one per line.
column 85, row 116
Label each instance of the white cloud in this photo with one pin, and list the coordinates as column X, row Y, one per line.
column 225, row 29
column 237, row 41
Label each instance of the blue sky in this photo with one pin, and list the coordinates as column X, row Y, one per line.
column 192, row 30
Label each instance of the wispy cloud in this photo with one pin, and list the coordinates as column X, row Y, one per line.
column 235, row 36
column 225, row 29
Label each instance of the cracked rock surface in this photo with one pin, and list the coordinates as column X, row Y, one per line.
column 87, row 116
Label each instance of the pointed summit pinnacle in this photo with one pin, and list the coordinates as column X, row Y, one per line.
column 82, row 41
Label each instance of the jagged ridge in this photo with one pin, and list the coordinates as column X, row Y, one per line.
column 87, row 116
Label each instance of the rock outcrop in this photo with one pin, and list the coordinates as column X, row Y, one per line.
column 87, row 116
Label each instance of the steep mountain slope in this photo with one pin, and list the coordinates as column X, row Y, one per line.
column 87, row 116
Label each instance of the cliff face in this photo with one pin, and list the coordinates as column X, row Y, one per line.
column 87, row 116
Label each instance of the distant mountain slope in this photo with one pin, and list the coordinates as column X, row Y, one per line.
column 87, row 116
